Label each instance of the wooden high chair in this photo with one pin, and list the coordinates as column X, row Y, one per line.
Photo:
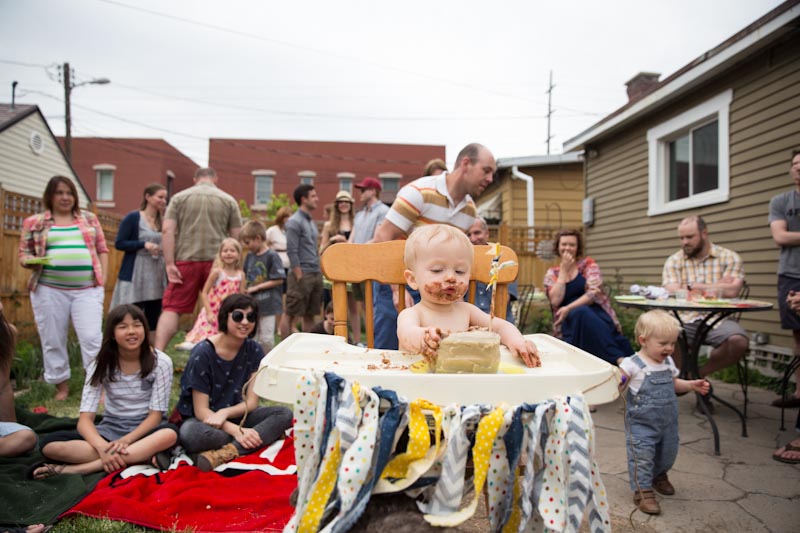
column 345, row 263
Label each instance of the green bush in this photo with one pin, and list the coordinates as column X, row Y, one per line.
column 26, row 365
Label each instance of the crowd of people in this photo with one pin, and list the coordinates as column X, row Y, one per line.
column 254, row 281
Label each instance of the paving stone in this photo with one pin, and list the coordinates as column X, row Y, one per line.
column 778, row 514
column 773, row 479
column 706, row 516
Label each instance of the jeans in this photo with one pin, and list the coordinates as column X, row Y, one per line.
column 652, row 422
column 269, row 422
column 385, row 315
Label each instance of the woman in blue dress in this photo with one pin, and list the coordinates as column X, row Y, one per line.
column 582, row 313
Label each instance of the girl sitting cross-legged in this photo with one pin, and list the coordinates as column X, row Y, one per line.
column 136, row 380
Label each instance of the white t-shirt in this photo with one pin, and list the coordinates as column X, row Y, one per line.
column 636, row 374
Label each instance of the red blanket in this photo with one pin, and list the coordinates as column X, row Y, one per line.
column 188, row 498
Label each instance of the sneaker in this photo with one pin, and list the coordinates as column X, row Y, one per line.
column 209, row 460
column 646, row 501
column 185, row 346
column 662, row 485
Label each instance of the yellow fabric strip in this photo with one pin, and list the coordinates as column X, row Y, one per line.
column 418, row 438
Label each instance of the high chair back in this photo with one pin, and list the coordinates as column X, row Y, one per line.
column 383, row 262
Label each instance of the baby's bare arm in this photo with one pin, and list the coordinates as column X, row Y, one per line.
column 509, row 335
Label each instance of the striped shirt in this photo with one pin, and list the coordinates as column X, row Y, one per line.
column 71, row 263
column 427, row 201
column 130, row 395
column 718, row 264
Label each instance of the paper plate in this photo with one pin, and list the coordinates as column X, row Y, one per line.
column 565, row 370
column 630, row 298
column 39, row 261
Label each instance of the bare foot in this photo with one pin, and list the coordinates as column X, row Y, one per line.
column 35, row 528
column 62, row 391
column 789, row 453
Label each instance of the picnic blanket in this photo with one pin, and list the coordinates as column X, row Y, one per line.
column 25, row 501
column 248, row 494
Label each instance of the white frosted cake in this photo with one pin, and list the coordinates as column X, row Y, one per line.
column 468, row 352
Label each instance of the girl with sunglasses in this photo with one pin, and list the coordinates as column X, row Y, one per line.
column 211, row 402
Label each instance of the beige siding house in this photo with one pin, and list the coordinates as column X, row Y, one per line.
column 533, row 197
column 29, row 153
column 713, row 139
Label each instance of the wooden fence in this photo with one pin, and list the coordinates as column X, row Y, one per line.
column 14, row 208
column 535, row 250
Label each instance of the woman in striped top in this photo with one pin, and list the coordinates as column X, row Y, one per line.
column 66, row 249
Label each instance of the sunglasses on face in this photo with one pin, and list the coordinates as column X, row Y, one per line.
column 238, row 316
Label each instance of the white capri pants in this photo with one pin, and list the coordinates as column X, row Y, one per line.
column 52, row 309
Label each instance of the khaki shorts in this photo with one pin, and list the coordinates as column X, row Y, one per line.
column 304, row 298
column 722, row 332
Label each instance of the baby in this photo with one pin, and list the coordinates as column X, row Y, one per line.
column 651, row 417
column 438, row 260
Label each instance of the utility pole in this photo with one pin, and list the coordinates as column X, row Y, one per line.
column 549, row 110
column 66, row 77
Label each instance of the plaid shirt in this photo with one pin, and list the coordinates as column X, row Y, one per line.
column 718, row 264
column 33, row 241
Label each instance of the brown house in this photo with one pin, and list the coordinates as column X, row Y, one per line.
column 254, row 170
column 712, row 139
column 116, row 171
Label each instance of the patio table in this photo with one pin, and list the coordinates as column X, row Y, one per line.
column 713, row 311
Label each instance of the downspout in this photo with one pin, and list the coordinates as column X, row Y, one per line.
column 529, row 187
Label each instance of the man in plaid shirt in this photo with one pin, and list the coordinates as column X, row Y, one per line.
column 701, row 266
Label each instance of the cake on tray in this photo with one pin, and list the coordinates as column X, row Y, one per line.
column 468, row 352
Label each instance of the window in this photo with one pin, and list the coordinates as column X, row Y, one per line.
column 306, row 177
column 264, row 180
column 390, row 182
column 104, row 176
column 346, row 181
column 688, row 158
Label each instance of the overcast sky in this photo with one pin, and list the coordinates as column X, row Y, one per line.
column 419, row 72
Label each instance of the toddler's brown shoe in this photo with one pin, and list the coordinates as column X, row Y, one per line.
column 646, row 501
column 662, row 485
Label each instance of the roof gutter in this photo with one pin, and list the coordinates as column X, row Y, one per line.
column 529, row 187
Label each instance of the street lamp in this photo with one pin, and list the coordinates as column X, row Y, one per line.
column 68, row 86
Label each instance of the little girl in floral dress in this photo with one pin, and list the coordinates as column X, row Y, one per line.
column 226, row 278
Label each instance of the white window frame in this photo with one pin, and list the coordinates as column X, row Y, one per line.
column 658, row 139
column 262, row 173
column 98, row 169
column 346, row 180
column 394, row 176
column 307, row 177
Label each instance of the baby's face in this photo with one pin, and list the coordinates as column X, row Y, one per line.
column 658, row 347
column 442, row 272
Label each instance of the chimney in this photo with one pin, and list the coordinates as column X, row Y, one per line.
column 641, row 85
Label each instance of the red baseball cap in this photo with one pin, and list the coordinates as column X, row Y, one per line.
column 369, row 183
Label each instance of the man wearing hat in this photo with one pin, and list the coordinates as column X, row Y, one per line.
column 372, row 214
column 440, row 199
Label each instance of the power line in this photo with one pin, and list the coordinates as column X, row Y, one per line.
column 262, row 38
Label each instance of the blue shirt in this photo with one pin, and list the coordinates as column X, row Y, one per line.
column 483, row 298
column 222, row 380
column 259, row 268
column 301, row 242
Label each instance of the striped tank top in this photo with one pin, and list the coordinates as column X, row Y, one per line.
column 70, row 264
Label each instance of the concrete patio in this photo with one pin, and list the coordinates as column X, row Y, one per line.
column 743, row 489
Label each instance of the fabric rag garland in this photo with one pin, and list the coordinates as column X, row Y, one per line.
column 536, row 460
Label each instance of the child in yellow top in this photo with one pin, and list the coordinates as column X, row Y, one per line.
column 438, row 260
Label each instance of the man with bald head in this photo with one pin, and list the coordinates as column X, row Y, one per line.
column 440, row 199
column 702, row 266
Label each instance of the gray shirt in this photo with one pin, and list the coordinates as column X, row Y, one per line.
column 301, row 242
column 366, row 220
column 786, row 206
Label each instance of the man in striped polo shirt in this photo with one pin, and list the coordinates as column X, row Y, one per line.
column 441, row 199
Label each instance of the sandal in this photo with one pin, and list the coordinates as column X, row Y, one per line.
column 35, row 470
column 778, row 455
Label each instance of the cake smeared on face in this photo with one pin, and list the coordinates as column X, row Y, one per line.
column 448, row 290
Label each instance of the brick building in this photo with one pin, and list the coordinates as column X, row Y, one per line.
column 116, row 171
column 253, row 170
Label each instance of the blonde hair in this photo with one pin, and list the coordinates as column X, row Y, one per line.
column 658, row 323
column 236, row 244
column 422, row 238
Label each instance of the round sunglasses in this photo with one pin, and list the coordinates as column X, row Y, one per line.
column 237, row 316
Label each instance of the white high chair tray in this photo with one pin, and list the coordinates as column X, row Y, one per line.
column 565, row 370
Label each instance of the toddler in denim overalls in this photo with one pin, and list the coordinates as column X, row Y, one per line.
column 651, row 416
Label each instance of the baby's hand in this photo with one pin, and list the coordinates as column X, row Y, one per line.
column 430, row 344
column 526, row 350
column 702, row 386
